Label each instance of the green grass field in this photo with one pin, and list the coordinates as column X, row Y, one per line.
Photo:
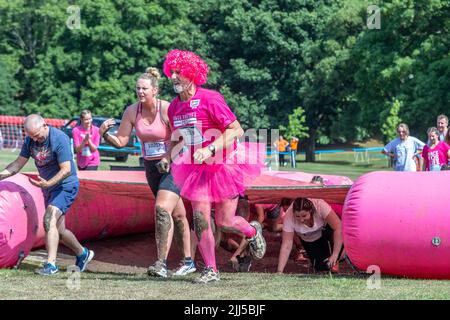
column 24, row 284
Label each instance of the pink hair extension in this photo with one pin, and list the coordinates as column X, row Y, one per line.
column 190, row 66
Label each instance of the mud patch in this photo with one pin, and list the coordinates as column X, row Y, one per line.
column 134, row 253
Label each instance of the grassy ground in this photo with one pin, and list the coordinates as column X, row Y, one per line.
column 24, row 284
column 341, row 164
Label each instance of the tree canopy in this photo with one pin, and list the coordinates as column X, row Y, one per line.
column 267, row 58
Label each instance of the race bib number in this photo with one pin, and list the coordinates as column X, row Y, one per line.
column 154, row 149
column 86, row 152
column 192, row 136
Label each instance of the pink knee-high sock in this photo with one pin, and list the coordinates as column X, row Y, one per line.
column 243, row 226
column 207, row 248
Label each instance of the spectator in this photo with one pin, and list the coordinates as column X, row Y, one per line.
column 293, row 144
column 403, row 149
column 442, row 126
column 437, row 153
column 447, row 140
column 319, row 229
column 281, row 145
column 86, row 139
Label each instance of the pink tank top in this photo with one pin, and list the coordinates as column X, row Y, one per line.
column 155, row 137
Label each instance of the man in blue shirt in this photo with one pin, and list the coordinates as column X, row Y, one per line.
column 52, row 154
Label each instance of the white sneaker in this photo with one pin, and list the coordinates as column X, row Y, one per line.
column 158, row 270
column 257, row 244
column 185, row 269
column 208, row 275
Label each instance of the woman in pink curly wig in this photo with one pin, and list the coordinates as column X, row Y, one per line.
column 212, row 170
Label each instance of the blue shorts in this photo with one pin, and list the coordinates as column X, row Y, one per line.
column 61, row 196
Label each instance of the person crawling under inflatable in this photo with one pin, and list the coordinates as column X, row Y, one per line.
column 320, row 232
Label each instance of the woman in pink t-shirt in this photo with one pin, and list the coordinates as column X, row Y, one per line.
column 213, row 169
column 437, row 153
column 320, row 232
column 86, row 139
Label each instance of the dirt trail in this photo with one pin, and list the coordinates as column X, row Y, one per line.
column 134, row 253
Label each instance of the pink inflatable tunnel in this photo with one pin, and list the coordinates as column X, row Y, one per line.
column 21, row 214
column 400, row 222
column 107, row 205
column 113, row 203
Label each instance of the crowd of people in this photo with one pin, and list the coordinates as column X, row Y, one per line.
column 410, row 154
column 191, row 151
column 182, row 158
column 282, row 146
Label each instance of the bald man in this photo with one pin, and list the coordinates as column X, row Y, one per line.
column 50, row 148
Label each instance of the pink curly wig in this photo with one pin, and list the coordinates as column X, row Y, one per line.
column 190, row 66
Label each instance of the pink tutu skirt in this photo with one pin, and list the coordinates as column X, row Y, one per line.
column 215, row 182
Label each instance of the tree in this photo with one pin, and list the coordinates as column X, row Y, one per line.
column 282, row 54
column 407, row 59
column 62, row 70
column 389, row 127
column 296, row 126
column 7, row 90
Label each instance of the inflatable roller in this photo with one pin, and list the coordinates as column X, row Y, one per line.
column 104, row 207
column 400, row 222
column 110, row 203
column 21, row 216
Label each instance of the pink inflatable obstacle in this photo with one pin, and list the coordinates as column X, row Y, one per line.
column 292, row 184
column 108, row 204
column 21, row 214
column 400, row 222
column 112, row 203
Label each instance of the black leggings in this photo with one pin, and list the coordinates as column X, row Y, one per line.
column 159, row 181
column 321, row 249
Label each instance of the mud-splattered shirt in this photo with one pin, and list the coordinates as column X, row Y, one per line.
column 49, row 154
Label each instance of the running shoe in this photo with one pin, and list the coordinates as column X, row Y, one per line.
column 185, row 268
column 84, row 259
column 48, row 270
column 244, row 263
column 257, row 244
column 208, row 275
column 158, row 270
